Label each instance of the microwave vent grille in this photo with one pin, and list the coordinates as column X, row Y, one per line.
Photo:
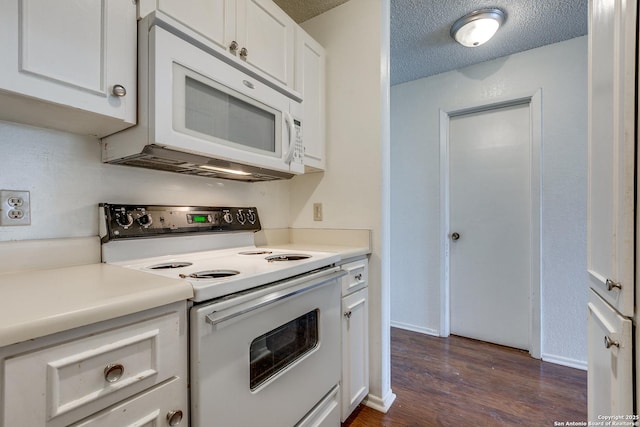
column 159, row 158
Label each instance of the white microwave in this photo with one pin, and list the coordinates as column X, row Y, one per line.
column 202, row 114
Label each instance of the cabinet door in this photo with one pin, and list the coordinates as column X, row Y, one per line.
column 355, row 350
column 268, row 35
column 612, row 34
column 610, row 370
column 310, row 82
column 214, row 19
column 70, row 53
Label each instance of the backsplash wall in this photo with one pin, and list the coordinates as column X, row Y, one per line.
column 67, row 179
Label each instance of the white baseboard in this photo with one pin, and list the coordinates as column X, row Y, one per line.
column 380, row 404
column 414, row 328
column 565, row 361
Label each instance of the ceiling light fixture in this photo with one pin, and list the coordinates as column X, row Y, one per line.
column 477, row 27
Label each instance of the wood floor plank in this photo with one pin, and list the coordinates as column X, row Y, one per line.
column 458, row 381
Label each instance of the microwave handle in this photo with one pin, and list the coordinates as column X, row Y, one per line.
column 289, row 154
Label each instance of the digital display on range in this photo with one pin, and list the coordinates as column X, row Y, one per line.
column 198, row 219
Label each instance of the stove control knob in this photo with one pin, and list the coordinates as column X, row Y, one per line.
column 228, row 218
column 145, row 220
column 124, row 219
column 242, row 218
column 251, row 216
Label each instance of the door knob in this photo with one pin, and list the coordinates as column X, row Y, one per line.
column 455, row 236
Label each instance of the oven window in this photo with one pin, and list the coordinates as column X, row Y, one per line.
column 218, row 114
column 275, row 350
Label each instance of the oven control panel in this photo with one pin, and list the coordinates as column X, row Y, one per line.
column 119, row 221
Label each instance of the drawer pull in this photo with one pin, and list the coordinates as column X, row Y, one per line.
column 118, row 90
column 113, row 372
column 608, row 342
column 347, row 314
column 611, row 285
column 358, row 277
column 174, row 417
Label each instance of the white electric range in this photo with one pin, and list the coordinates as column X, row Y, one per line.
column 264, row 323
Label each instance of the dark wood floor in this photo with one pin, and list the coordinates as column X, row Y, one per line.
column 461, row 382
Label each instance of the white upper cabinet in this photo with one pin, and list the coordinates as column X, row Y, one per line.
column 310, row 82
column 612, row 35
column 256, row 32
column 77, row 57
column 267, row 35
column 214, row 19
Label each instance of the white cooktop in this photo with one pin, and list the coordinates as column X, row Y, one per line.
column 253, row 269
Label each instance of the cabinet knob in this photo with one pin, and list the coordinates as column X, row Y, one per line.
column 455, row 236
column 118, row 90
column 233, row 46
column 113, row 372
column 611, row 285
column 608, row 342
column 347, row 314
column 358, row 277
column 244, row 52
column 174, row 417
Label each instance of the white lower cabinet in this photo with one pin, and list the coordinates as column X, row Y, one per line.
column 155, row 407
column 610, row 370
column 355, row 336
column 127, row 371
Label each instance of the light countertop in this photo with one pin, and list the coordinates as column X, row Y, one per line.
column 348, row 243
column 42, row 302
column 345, row 252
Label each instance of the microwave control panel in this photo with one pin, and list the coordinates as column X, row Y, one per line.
column 298, row 151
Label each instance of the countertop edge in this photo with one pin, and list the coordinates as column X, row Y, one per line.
column 99, row 292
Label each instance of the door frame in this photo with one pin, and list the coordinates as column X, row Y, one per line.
column 535, row 108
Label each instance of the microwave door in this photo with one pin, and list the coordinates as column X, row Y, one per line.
column 214, row 109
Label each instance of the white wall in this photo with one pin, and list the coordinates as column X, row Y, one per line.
column 356, row 38
column 560, row 70
column 67, row 180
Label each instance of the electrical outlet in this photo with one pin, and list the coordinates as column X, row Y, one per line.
column 15, row 208
column 317, row 211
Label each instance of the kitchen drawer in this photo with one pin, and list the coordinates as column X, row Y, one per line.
column 326, row 413
column 357, row 276
column 152, row 408
column 61, row 384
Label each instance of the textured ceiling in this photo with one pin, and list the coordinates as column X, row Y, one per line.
column 420, row 42
column 301, row 10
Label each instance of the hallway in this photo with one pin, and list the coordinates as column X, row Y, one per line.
column 457, row 381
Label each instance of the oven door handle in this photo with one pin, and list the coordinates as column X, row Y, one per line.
column 273, row 298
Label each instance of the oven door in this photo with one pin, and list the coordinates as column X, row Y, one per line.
column 266, row 358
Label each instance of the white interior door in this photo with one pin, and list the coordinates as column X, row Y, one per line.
column 490, row 210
